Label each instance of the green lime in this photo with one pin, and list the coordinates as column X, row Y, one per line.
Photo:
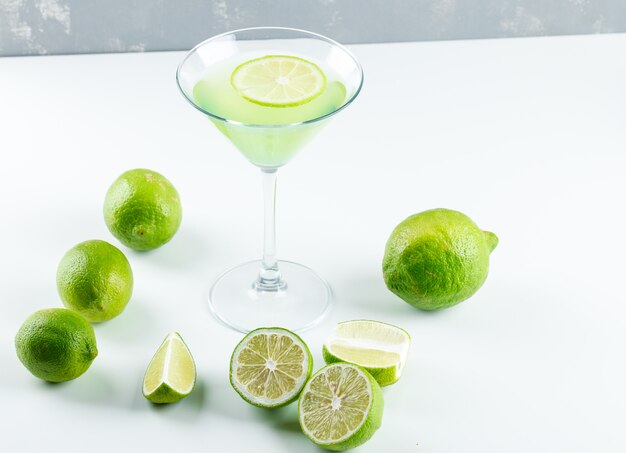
column 94, row 278
column 278, row 80
column 56, row 344
column 270, row 366
column 142, row 209
column 341, row 407
column 437, row 258
column 378, row 347
column 171, row 374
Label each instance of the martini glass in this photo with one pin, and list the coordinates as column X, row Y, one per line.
column 268, row 292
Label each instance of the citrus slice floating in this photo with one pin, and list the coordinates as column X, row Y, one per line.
column 378, row 347
column 341, row 407
column 270, row 366
column 171, row 374
column 278, row 80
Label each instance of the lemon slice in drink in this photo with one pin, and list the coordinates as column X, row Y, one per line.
column 270, row 366
column 278, row 80
column 171, row 374
column 341, row 407
column 378, row 347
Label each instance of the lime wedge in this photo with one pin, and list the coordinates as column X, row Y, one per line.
column 278, row 80
column 270, row 366
column 341, row 407
column 378, row 347
column 171, row 374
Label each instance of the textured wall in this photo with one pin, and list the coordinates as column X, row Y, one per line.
column 79, row 26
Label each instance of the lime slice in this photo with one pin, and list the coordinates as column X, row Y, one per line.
column 270, row 366
column 378, row 347
column 341, row 407
column 171, row 374
column 278, row 80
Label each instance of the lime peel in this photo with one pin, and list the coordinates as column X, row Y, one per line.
column 94, row 278
column 437, row 259
column 56, row 344
column 142, row 209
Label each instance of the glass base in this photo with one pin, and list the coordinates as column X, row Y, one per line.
column 300, row 304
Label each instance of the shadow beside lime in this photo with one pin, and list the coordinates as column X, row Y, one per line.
column 94, row 387
column 185, row 410
column 123, row 328
column 369, row 293
column 185, row 250
column 283, row 418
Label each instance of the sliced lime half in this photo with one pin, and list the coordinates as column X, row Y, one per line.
column 171, row 374
column 378, row 347
column 341, row 407
column 278, row 80
column 270, row 366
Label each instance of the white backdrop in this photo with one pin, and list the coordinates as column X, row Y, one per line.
column 525, row 136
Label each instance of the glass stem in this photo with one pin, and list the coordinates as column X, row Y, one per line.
column 269, row 278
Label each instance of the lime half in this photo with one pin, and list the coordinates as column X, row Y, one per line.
column 378, row 347
column 341, row 407
column 171, row 374
column 270, row 366
column 278, row 80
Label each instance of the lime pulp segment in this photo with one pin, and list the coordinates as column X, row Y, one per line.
column 270, row 366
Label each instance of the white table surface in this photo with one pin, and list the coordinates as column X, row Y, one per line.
column 526, row 136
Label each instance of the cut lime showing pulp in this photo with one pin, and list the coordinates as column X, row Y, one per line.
column 378, row 347
column 278, row 80
column 341, row 407
column 270, row 366
column 171, row 374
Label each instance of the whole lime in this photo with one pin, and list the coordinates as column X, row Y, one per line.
column 56, row 344
column 94, row 278
column 437, row 258
column 142, row 209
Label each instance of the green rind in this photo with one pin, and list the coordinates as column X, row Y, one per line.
column 371, row 424
column 94, row 278
column 56, row 344
column 164, row 394
column 381, row 374
column 142, row 219
column 384, row 375
column 296, row 394
column 437, row 259
column 492, row 240
column 270, row 104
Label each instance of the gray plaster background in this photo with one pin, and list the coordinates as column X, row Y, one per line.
column 87, row 26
